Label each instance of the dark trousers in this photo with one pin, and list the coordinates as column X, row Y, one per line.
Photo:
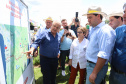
column 49, row 69
column 63, row 54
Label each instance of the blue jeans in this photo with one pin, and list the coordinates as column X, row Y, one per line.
column 49, row 69
column 100, row 75
column 116, row 78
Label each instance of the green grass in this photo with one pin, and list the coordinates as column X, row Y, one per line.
column 108, row 73
column 38, row 75
column 59, row 78
column 36, row 60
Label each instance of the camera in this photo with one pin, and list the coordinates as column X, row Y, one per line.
column 66, row 27
column 76, row 19
column 68, row 34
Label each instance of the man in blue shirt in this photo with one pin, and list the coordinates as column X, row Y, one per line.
column 48, row 22
column 101, row 43
column 49, row 42
column 67, row 35
column 118, row 62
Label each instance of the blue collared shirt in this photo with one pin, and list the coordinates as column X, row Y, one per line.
column 119, row 55
column 65, row 45
column 101, row 42
column 49, row 45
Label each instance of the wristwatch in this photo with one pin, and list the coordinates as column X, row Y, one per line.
column 63, row 35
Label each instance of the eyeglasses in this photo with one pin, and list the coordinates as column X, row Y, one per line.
column 79, row 32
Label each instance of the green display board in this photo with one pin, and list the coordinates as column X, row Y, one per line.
column 14, row 37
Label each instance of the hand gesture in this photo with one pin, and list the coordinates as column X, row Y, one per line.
column 36, row 53
column 29, row 52
column 70, row 62
column 58, row 55
column 65, row 31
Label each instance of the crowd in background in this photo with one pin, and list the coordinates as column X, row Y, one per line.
column 89, row 48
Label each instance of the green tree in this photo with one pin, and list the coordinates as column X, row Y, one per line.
column 107, row 21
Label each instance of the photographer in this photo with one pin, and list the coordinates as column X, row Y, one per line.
column 68, row 36
column 75, row 24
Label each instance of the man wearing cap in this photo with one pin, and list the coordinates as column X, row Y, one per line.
column 49, row 42
column 101, row 43
column 118, row 62
column 48, row 22
column 115, row 19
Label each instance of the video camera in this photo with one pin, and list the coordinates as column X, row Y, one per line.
column 76, row 19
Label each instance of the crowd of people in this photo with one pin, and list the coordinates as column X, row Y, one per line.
column 89, row 48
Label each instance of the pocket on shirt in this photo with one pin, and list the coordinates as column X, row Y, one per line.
column 46, row 43
column 84, row 48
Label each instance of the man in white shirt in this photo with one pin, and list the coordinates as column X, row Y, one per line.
column 101, row 43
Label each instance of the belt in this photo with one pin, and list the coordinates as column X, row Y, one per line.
column 90, row 62
column 118, row 71
column 93, row 62
column 46, row 57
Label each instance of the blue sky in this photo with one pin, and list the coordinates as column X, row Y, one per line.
column 59, row 9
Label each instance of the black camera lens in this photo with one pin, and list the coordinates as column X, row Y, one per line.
column 66, row 28
column 68, row 34
column 76, row 20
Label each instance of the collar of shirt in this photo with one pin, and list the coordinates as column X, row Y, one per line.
column 99, row 25
column 94, row 28
column 51, row 33
column 46, row 28
column 81, row 41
